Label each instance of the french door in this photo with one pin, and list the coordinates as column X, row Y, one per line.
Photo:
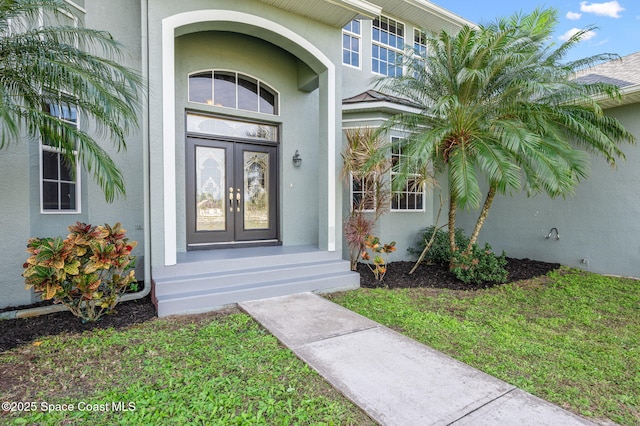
column 231, row 193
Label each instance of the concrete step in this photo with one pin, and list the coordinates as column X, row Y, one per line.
column 195, row 263
column 211, row 299
column 213, row 279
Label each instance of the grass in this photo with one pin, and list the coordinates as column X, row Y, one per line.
column 206, row 369
column 572, row 338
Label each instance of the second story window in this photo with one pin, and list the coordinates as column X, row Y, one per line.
column 351, row 34
column 388, row 44
column 419, row 42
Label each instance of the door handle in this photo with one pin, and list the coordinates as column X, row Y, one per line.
column 230, row 199
column 238, row 200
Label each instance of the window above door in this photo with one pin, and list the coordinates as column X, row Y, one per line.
column 230, row 89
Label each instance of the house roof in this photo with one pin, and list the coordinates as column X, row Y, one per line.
column 372, row 100
column 624, row 73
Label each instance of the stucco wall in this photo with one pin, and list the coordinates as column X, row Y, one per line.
column 599, row 223
column 20, row 173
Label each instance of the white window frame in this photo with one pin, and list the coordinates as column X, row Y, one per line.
column 381, row 45
column 77, row 182
column 351, row 192
column 407, row 191
column 237, row 74
column 352, row 35
column 418, row 43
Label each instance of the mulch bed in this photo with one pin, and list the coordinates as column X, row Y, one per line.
column 20, row 331
column 24, row 330
column 436, row 276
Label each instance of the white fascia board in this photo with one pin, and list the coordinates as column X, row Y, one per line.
column 628, row 95
column 361, row 7
column 441, row 12
column 382, row 106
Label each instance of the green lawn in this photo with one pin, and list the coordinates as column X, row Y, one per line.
column 572, row 338
column 206, row 369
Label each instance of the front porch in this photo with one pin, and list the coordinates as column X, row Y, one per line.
column 203, row 281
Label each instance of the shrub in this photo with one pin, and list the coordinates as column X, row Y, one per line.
column 439, row 253
column 480, row 266
column 377, row 249
column 356, row 230
column 86, row 272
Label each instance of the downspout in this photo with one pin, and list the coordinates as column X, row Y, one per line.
column 144, row 12
column 43, row 310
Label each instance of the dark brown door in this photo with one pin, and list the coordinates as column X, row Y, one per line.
column 231, row 193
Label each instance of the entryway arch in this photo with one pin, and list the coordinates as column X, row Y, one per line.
column 277, row 34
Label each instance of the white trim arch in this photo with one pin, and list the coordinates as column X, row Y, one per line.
column 169, row 26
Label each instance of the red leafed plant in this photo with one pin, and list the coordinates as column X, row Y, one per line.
column 378, row 264
column 86, row 272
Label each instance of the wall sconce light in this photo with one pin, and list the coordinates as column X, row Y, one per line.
column 297, row 159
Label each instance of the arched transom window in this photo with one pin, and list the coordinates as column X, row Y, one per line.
column 232, row 90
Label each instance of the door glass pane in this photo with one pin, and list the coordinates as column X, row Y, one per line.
column 210, row 189
column 256, row 190
column 224, row 127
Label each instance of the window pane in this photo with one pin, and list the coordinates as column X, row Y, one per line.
column 247, row 94
column 201, row 88
column 67, row 196
column 65, row 171
column 49, row 165
column 50, row 195
column 224, row 89
column 267, row 101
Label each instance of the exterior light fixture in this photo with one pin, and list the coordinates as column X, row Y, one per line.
column 297, row 159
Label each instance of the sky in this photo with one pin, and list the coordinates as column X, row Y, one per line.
column 618, row 21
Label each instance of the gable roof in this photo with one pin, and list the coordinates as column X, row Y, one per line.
column 624, row 73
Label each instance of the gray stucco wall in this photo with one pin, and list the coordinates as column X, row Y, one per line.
column 20, row 174
column 599, row 223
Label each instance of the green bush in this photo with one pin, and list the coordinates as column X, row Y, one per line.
column 480, row 266
column 439, row 253
column 86, row 272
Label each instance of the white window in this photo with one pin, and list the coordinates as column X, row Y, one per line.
column 411, row 196
column 232, row 90
column 363, row 192
column 351, row 34
column 59, row 185
column 388, row 44
column 419, row 42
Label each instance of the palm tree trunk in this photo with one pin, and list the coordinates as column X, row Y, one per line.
column 452, row 228
column 483, row 216
column 431, row 240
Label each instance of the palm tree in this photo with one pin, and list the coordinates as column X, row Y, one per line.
column 65, row 65
column 497, row 103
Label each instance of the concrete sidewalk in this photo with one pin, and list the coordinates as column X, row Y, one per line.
column 394, row 379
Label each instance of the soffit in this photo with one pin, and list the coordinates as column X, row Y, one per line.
column 423, row 13
column 629, row 95
column 336, row 13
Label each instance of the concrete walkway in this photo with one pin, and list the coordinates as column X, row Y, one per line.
column 394, row 379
